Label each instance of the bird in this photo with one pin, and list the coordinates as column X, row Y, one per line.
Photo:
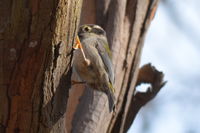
column 92, row 61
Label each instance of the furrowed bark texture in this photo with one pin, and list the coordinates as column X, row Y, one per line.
column 126, row 23
column 36, row 40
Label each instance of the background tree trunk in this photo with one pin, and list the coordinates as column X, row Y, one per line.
column 36, row 40
column 126, row 23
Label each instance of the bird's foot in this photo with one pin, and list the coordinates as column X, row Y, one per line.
column 73, row 82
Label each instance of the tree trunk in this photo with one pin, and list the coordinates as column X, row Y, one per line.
column 126, row 23
column 36, row 40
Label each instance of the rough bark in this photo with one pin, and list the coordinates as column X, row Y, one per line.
column 126, row 23
column 36, row 40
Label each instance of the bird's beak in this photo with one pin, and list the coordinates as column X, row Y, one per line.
column 78, row 44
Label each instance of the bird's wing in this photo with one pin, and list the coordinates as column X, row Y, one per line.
column 101, row 47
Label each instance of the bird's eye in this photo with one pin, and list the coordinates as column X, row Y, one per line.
column 87, row 29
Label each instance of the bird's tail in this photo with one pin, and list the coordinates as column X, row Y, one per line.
column 111, row 99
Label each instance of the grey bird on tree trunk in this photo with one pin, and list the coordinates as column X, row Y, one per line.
column 92, row 61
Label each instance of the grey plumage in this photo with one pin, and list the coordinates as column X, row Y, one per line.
column 99, row 74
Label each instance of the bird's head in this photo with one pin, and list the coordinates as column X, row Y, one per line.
column 91, row 30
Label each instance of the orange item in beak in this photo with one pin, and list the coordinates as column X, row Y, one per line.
column 77, row 44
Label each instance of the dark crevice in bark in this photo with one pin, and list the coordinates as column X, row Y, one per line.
column 117, row 125
column 102, row 7
column 16, row 130
column 2, row 128
column 40, row 122
column 131, row 17
column 146, row 22
column 9, row 106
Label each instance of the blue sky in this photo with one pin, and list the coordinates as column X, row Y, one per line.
column 173, row 46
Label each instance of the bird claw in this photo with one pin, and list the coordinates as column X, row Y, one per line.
column 73, row 82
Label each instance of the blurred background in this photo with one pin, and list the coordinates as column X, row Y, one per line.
column 173, row 46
